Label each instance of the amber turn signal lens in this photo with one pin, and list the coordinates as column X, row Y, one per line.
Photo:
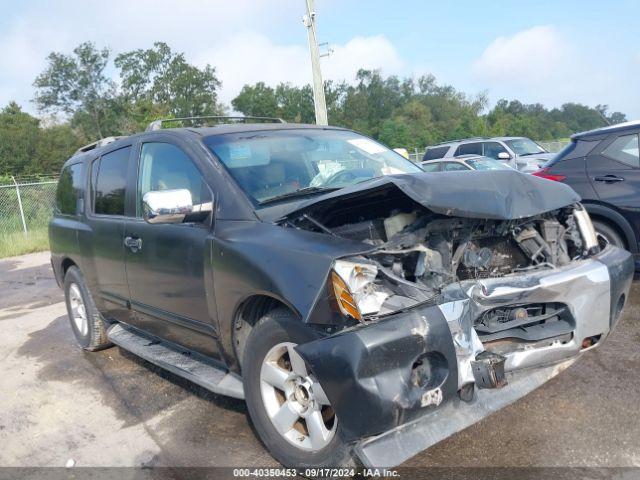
column 346, row 303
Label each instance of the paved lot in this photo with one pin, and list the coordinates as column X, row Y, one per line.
column 112, row 409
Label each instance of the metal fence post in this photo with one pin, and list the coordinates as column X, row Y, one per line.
column 24, row 223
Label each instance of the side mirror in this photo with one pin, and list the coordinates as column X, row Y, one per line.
column 166, row 206
column 504, row 156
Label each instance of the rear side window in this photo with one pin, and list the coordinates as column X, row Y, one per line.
column 624, row 149
column 109, row 182
column 435, row 153
column 431, row 167
column 69, row 190
column 574, row 149
column 454, row 167
column 469, row 149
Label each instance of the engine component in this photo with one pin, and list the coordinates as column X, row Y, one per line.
column 480, row 258
column 397, row 223
column 420, row 253
column 553, row 234
column 533, row 244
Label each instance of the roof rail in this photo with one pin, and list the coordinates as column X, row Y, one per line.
column 97, row 144
column 157, row 124
column 459, row 140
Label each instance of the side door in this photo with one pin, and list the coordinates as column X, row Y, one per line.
column 102, row 241
column 169, row 265
column 614, row 171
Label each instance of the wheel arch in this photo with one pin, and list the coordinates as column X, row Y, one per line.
column 66, row 264
column 247, row 314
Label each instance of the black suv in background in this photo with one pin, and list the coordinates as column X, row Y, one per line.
column 603, row 166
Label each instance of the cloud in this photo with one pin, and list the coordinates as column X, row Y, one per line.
column 375, row 52
column 234, row 37
column 250, row 57
column 543, row 65
column 528, row 57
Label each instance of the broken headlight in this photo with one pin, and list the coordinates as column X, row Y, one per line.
column 355, row 290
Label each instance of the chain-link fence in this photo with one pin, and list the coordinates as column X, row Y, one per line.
column 26, row 206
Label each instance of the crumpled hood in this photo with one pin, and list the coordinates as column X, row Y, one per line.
column 498, row 194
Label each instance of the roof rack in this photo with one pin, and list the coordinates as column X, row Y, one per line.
column 459, row 140
column 97, row 144
column 157, row 124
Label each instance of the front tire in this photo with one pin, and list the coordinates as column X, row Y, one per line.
column 86, row 322
column 607, row 235
column 286, row 403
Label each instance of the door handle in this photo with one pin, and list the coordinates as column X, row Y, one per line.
column 133, row 243
column 609, row 179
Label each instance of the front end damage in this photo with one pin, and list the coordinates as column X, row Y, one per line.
column 450, row 317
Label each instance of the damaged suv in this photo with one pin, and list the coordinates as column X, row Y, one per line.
column 363, row 308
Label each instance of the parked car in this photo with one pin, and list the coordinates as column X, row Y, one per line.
column 464, row 162
column 603, row 167
column 363, row 309
column 520, row 153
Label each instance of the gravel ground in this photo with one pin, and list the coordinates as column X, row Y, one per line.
column 59, row 403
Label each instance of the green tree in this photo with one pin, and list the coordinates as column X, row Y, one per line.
column 27, row 148
column 257, row 100
column 77, row 85
column 295, row 104
column 18, row 137
column 160, row 80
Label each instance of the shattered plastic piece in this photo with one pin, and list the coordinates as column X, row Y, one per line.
column 432, row 397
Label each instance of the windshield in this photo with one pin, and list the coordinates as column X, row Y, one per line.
column 524, row 146
column 282, row 164
column 487, row 164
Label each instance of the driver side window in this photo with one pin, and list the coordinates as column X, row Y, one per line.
column 164, row 166
column 492, row 149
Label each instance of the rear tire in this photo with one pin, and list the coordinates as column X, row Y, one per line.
column 310, row 438
column 607, row 235
column 86, row 322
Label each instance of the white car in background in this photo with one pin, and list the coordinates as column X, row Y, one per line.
column 521, row 153
column 464, row 162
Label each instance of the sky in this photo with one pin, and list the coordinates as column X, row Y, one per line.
column 548, row 52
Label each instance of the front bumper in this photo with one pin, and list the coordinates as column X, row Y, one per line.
column 391, row 406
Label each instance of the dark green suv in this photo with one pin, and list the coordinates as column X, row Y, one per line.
column 364, row 309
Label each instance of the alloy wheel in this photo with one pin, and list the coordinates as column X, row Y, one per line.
column 294, row 400
column 78, row 310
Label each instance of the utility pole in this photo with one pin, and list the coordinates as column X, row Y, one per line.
column 309, row 21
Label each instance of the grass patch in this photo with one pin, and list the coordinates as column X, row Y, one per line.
column 16, row 243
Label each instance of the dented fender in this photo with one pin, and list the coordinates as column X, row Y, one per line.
column 372, row 373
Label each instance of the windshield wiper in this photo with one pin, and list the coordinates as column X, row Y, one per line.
column 530, row 153
column 299, row 193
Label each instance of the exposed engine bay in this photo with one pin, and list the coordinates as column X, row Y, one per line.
column 416, row 252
